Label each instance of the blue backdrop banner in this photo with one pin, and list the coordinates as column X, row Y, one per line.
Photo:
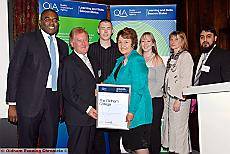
column 143, row 12
column 74, row 9
column 158, row 19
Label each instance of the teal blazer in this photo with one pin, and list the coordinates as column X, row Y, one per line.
column 135, row 73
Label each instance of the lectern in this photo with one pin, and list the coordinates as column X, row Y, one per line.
column 213, row 117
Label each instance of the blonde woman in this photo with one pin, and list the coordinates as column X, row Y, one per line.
column 148, row 49
column 178, row 76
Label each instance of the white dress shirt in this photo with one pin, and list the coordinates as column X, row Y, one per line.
column 85, row 59
column 201, row 59
column 88, row 64
column 47, row 41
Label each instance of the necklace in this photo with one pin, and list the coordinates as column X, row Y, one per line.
column 149, row 58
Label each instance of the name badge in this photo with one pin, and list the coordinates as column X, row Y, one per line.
column 205, row 68
column 99, row 73
column 172, row 61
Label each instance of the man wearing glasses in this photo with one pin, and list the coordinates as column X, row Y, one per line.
column 33, row 84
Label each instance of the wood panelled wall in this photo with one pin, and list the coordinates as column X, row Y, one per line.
column 191, row 15
column 207, row 12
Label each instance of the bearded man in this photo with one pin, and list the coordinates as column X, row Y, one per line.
column 213, row 67
column 214, row 63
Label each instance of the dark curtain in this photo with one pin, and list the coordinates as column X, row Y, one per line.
column 25, row 16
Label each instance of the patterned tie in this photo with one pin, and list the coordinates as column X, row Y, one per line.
column 88, row 64
column 196, row 79
column 53, row 69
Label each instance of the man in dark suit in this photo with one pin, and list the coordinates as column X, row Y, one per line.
column 213, row 67
column 79, row 83
column 214, row 63
column 33, row 91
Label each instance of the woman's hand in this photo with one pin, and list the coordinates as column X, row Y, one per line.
column 176, row 105
column 129, row 118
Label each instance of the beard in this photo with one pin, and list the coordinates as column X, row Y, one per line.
column 205, row 48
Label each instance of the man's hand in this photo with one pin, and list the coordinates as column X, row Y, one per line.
column 12, row 114
column 93, row 113
column 176, row 105
column 96, row 92
column 129, row 118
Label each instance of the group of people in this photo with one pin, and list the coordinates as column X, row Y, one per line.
column 44, row 80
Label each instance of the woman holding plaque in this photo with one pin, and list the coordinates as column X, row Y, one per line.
column 131, row 69
column 148, row 49
column 176, row 113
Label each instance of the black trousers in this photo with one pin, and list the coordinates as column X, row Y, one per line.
column 40, row 130
column 81, row 139
column 99, row 146
column 194, row 130
column 155, row 138
column 114, row 141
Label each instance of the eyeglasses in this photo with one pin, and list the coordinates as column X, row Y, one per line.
column 47, row 19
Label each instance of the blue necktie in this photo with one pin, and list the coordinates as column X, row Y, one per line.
column 53, row 69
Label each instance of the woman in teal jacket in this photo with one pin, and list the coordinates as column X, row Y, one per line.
column 131, row 69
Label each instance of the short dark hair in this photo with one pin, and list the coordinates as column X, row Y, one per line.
column 209, row 28
column 48, row 10
column 104, row 20
column 129, row 33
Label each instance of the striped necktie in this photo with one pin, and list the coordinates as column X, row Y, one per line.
column 53, row 69
column 88, row 64
column 197, row 76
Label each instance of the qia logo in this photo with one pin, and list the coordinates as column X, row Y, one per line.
column 120, row 13
column 103, row 88
column 47, row 5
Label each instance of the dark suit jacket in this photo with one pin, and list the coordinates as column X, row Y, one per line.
column 78, row 85
column 219, row 64
column 28, row 72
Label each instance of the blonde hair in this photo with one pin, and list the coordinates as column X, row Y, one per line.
column 154, row 50
column 77, row 30
column 184, row 42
